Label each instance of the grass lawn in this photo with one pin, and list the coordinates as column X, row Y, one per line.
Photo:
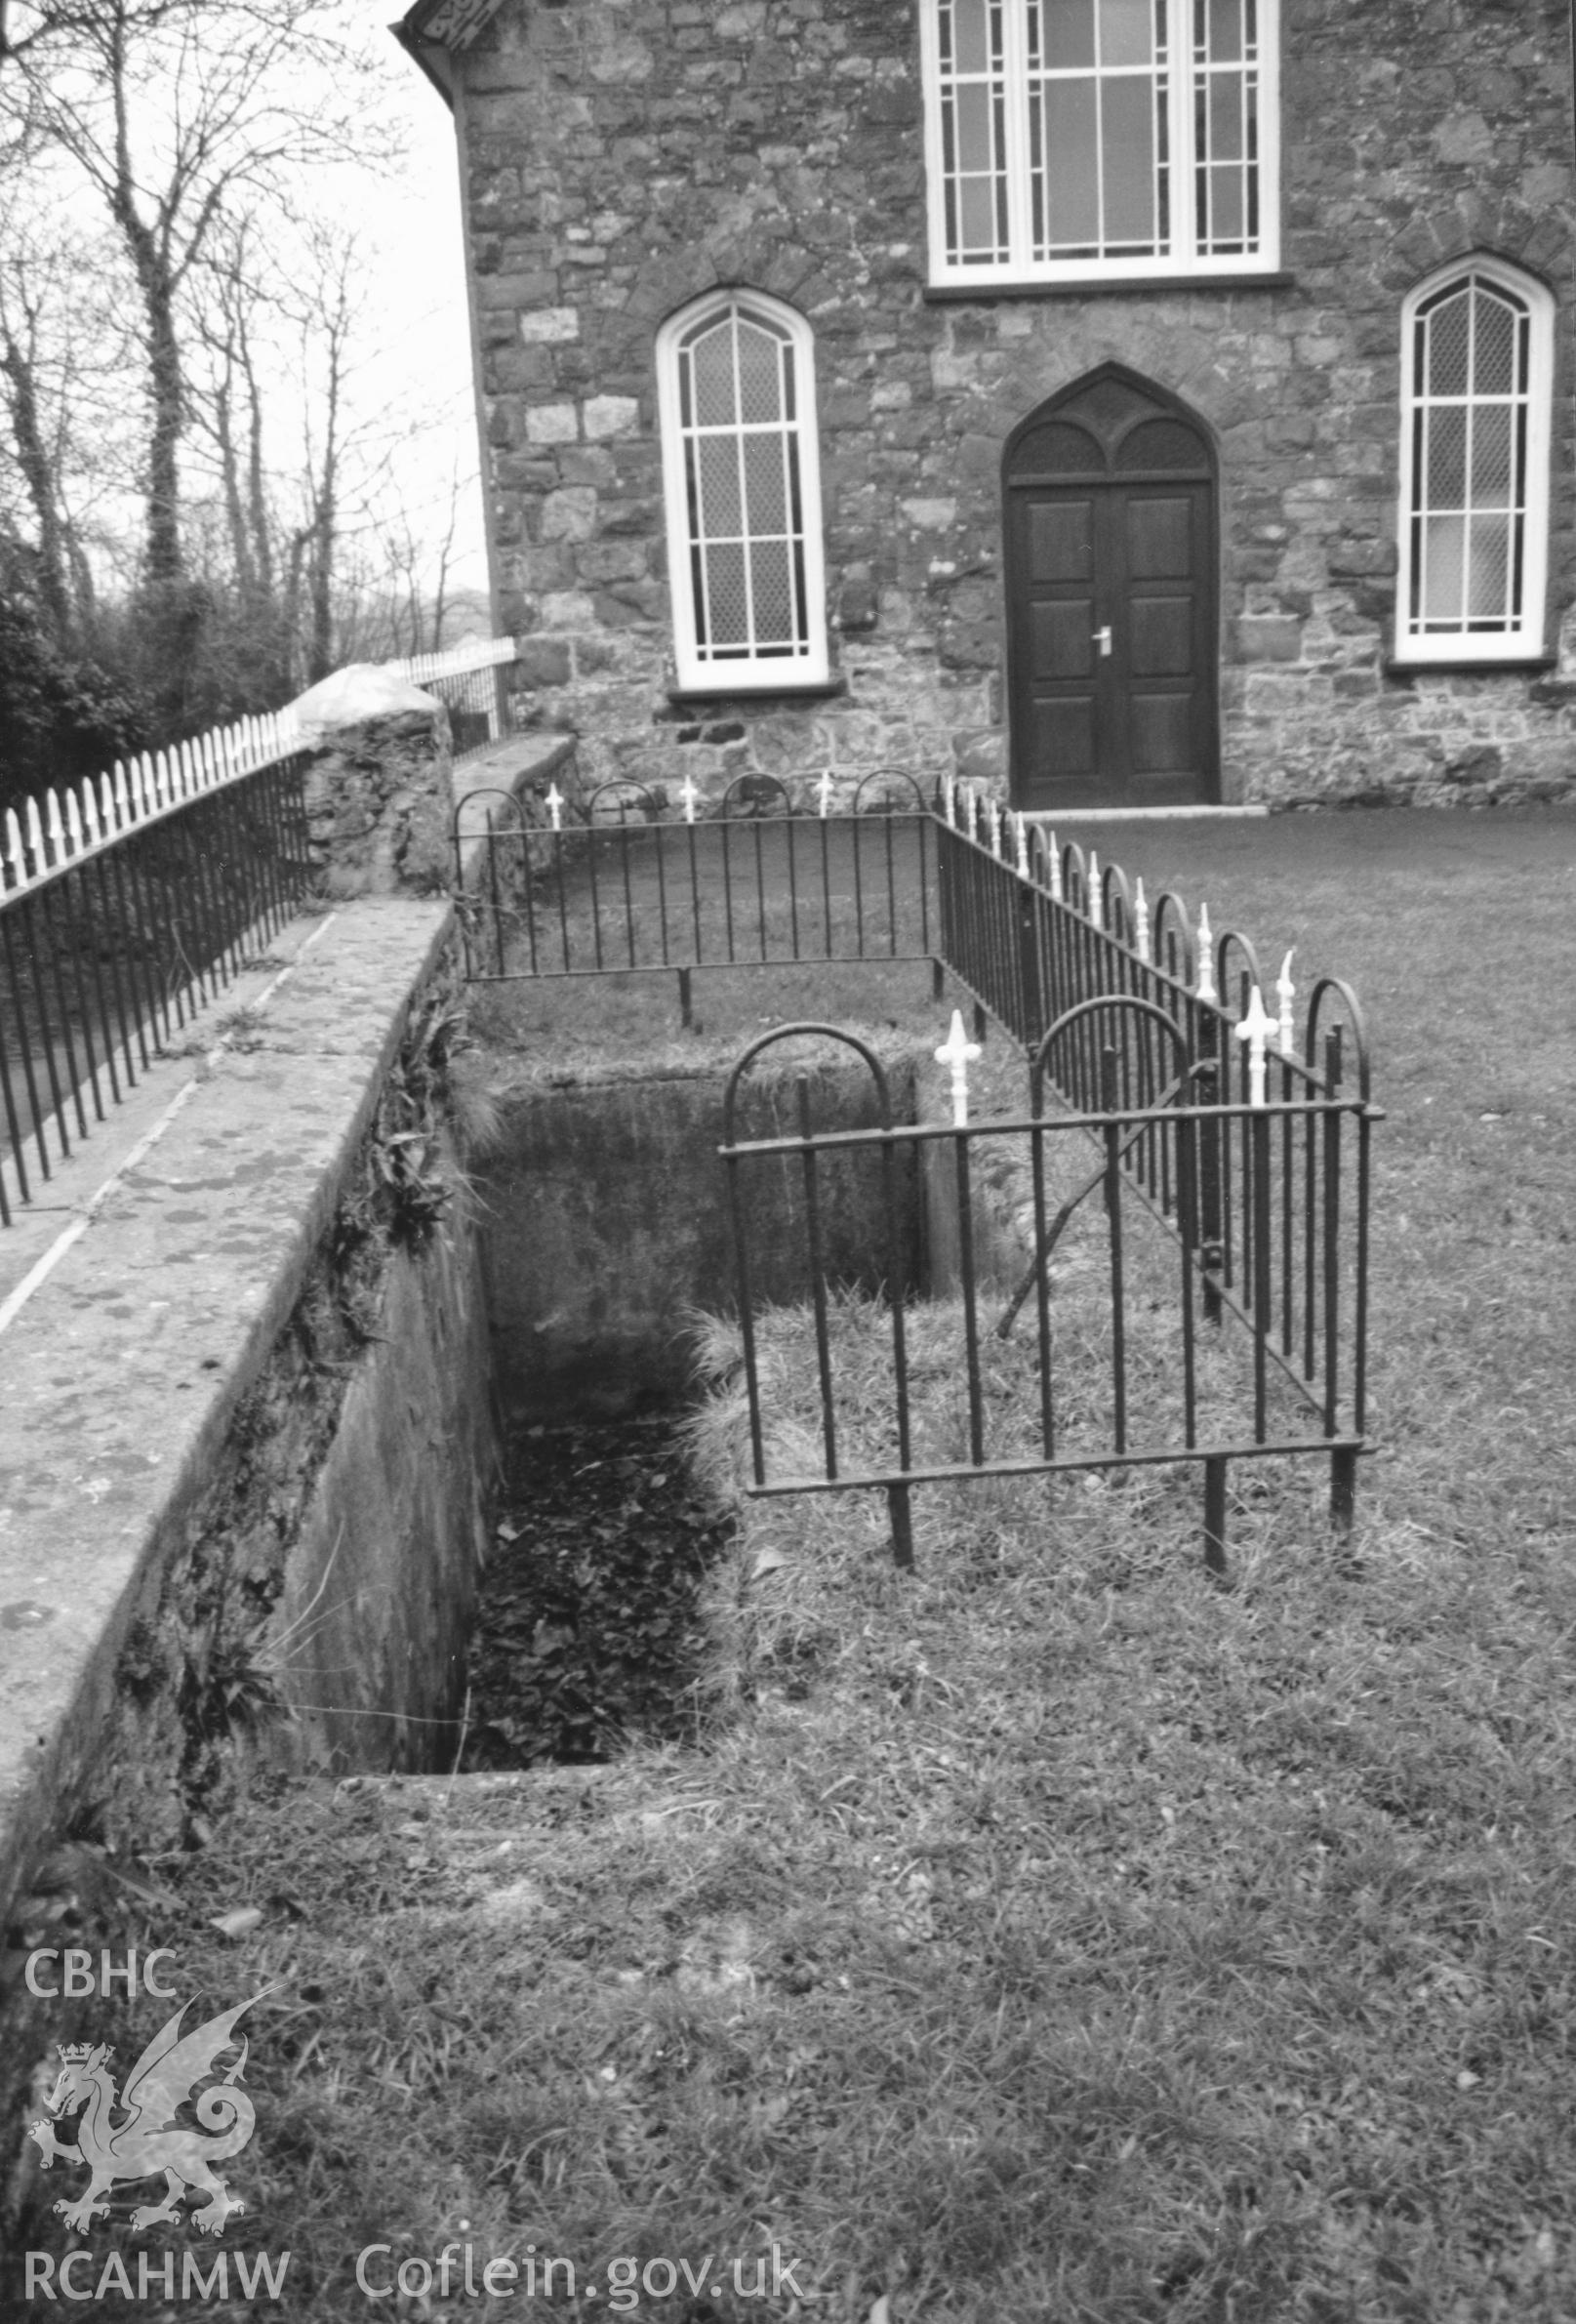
column 1049, row 1935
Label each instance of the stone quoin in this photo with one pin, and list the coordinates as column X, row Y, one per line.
column 1113, row 402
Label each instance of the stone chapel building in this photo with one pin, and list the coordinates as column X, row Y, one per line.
column 1126, row 401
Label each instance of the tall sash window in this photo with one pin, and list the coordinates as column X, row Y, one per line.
column 737, row 390
column 1106, row 137
column 1477, row 363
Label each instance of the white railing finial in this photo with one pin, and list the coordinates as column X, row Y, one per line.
column 555, row 806
column 689, row 797
column 1097, row 916
column 1286, row 994
column 824, row 792
column 1141, row 919
column 1205, row 988
column 958, row 1053
column 1256, row 1029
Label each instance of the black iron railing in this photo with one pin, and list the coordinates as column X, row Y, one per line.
column 632, row 885
column 1270, row 1174
column 125, row 904
column 1038, row 940
column 1253, row 1158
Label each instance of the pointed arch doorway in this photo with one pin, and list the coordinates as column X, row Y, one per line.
column 1109, row 508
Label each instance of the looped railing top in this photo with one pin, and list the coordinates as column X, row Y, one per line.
column 804, row 1031
column 889, row 775
column 618, row 788
column 1074, row 878
column 491, row 822
column 1103, row 1003
column 1116, row 905
column 1042, row 861
column 1171, row 938
column 753, row 794
column 1230, row 940
column 1342, row 991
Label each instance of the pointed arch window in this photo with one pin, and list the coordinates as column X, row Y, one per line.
column 1113, row 139
column 1477, row 363
column 736, row 385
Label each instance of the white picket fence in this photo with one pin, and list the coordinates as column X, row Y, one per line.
column 473, row 652
column 67, row 825
column 463, row 676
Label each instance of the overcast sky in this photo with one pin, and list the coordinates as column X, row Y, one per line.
column 422, row 292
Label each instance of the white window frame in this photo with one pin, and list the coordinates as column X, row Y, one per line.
column 1018, row 266
column 1523, row 641
column 775, row 673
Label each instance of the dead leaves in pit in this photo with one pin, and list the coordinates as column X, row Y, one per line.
column 586, row 1632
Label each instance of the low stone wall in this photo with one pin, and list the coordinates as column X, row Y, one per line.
column 367, row 1641
column 247, row 1435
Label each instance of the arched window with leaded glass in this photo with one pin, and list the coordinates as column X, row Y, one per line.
column 1477, row 355
column 736, row 384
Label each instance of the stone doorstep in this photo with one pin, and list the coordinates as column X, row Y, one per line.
column 1057, row 816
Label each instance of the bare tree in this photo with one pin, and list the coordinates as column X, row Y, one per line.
column 418, row 556
column 179, row 114
column 336, row 317
column 227, row 408
column 291, row 517
column 236, row 509
column 19, row 361
column 63, row 355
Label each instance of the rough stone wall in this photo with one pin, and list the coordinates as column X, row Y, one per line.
column 380, row 804
column 623, row 156
column 597, row 1256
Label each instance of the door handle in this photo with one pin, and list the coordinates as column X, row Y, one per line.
column 1102, row 640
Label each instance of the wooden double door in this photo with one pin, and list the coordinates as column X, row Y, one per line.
column 1111, row 565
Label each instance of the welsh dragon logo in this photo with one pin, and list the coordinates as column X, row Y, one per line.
column 148, row 2139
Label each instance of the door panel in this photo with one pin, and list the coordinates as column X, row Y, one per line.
column 1112, row 642
column 1061, row 541
column 1159, row 539
column 1162, row 636
column 1063, row 638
